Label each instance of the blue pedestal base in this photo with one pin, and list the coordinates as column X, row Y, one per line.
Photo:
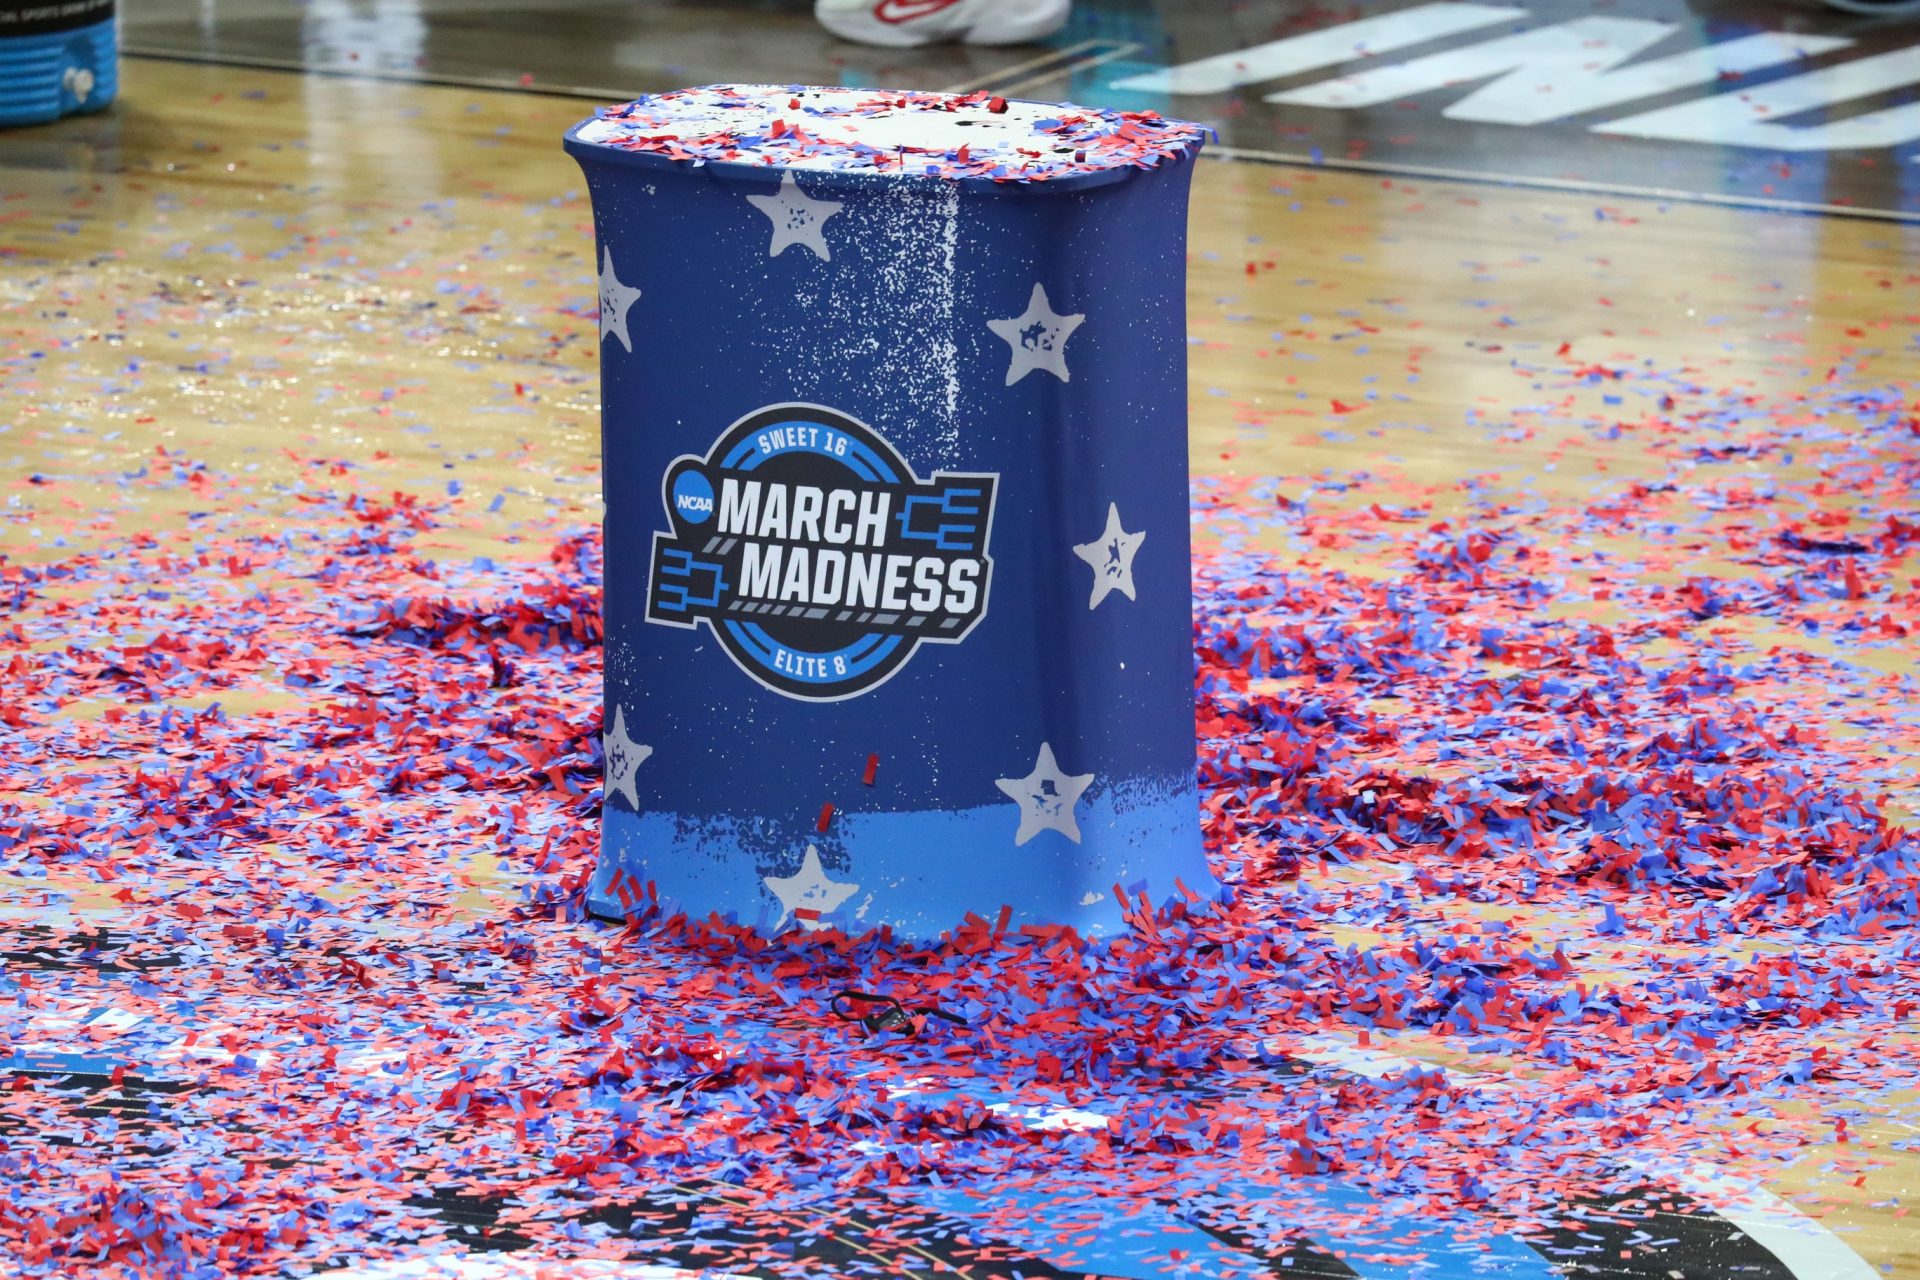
column 917, row 871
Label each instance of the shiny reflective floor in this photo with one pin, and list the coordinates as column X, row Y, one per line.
column 280, row 272
column 1757, row 101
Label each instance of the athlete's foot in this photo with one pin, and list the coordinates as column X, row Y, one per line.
column 905, row 24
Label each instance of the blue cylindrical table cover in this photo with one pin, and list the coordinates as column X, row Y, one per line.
column 898, row 601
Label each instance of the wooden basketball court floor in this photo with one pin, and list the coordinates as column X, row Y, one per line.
column 269, row 279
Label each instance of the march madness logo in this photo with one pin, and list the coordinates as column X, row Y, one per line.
column 809, row 547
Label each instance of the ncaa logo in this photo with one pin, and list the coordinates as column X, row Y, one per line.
column 807, row 545
column 692, row 497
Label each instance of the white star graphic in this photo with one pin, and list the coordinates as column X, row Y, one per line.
column 797, row 218
column 616, row 300
column 807, row 894
column 1046, row 798
column 622, row 756
column 1038, row 338
column 1111, row 555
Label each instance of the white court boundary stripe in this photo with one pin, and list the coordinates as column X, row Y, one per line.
column 1053, row 61
column 141, row 49
column 1809, row 1249
column 1319, row 49
column 1566, row 186
column 519, row 1266
column 1021, row 87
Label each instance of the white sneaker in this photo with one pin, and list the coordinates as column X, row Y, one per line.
column 904, row 24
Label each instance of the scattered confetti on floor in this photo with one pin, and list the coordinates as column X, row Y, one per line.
column 320, row 1000
column 862, row 131
column 1569, row 835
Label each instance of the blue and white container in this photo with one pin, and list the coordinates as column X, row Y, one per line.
column 898, row 605
column 57, row 58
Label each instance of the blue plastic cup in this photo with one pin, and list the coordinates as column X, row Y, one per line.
column 57, row 58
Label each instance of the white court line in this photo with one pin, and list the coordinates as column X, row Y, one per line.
column 1315, row 50
column 990, row 82
column 1568, row 186
column 1071, row 69
column 1809, row 1249
column 517, row 1267
column 1040, row 1119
